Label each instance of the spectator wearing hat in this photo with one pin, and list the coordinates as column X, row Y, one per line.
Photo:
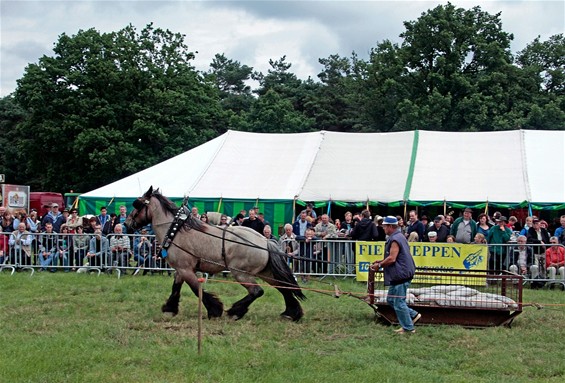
column 432, row 236
column 55, row 217
column 66, row 215
column 439, row 229
column 464, row 228
column 498, row 235
column 425, row 221
column 399, row 268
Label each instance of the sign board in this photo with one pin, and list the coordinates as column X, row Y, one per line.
column 15, row 197
column 436, row 256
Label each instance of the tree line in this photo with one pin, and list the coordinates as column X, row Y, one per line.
column 106, row 105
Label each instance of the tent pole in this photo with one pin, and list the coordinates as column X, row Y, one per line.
column 405, row 211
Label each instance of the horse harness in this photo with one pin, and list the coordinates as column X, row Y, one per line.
column 182, row 216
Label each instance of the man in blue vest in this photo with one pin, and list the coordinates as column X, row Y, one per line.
column 399, row 268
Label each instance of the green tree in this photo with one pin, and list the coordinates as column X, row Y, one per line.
column 547, row 59
column 453, row 71
column 278, row 78
column 231, row 79
column 273, row 113
column 544, row 61
column 107, row 105
column 342, row 94
column 283, row 102
column 387, row 88
column 11, row 114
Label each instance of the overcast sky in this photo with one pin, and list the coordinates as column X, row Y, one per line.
column 251, row 32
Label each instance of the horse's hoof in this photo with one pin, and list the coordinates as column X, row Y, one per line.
column 167, row 311
column 286, row 317
column 168, row 314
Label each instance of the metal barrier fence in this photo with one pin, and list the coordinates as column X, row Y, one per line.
column 334, row 257
column 81, row 253
column 527, row 260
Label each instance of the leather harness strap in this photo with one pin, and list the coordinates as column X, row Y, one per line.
column 224, row 245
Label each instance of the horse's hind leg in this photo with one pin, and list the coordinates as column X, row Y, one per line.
column 293, row 309
column 172, row 304
column 240, row 308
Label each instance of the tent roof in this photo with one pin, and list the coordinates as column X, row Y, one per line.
column 509, row 166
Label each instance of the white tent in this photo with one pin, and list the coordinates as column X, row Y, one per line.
column 506, row 167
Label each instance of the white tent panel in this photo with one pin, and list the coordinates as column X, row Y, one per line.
column 173, row 176
column 510, row 166
column 359, row 167
column 264, row 166
column 545, row 160
column 467, row 166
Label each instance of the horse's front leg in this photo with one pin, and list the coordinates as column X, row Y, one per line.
column 172, row 304
column 213, row 305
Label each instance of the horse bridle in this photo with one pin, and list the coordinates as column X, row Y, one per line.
column 139, row 205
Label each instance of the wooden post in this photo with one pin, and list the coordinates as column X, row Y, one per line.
column 371, row 286
column 200, row 281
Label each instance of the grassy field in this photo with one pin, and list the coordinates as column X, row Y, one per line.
column 80, row 328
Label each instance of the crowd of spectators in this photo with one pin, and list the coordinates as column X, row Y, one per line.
column 528, row 250
column 65, row 239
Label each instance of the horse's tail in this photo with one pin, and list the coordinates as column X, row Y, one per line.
column 282, row 274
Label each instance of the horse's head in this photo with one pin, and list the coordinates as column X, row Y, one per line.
column 140, row 216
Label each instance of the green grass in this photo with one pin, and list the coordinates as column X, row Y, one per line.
column 80, row 328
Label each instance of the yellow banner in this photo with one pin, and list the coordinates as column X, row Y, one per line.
column 439, row 256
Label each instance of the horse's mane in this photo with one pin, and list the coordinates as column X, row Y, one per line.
column 170, row 206
column 166, row 203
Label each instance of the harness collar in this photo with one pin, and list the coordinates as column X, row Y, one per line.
column 178, row 222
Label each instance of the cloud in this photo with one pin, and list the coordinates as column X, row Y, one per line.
column 251, row 32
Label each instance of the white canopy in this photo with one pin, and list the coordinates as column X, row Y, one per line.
column 506, row 167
